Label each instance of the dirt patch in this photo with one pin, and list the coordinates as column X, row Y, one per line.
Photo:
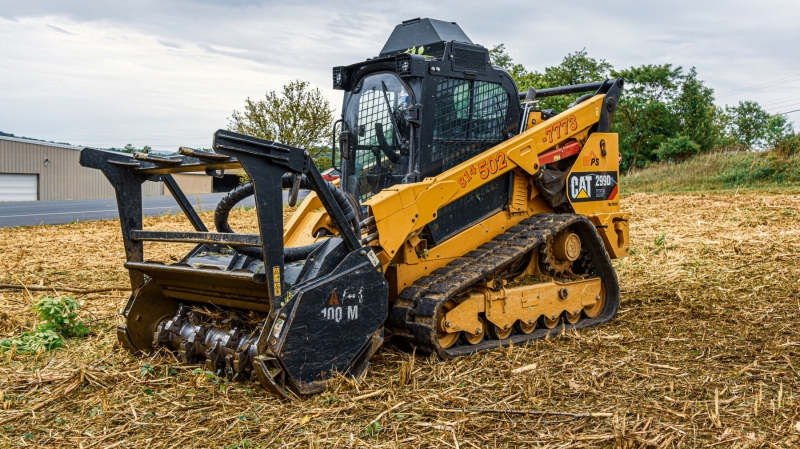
column 701, row 353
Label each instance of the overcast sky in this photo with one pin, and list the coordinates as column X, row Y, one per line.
column 169, row 73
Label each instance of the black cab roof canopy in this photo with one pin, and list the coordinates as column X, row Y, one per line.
column 422, row 32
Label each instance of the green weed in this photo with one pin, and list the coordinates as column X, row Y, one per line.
column 220, row 381
column 59, row 320
column 147, row 369
column 245, row 443
column 373, row 428
column 661, row 243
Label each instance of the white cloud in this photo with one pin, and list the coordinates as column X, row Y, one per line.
column 170, row 73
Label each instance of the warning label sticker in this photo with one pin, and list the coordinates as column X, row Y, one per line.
column 597, row 186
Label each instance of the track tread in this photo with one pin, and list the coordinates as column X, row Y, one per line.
column 412, row 320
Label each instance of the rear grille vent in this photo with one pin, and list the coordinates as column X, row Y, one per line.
column 468, row 59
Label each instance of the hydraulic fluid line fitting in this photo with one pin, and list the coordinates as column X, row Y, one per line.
column 229, row 201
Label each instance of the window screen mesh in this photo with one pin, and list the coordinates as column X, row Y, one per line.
column 371, row 110
column 470, row 117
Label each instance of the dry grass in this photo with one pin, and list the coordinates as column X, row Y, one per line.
column 702, row 353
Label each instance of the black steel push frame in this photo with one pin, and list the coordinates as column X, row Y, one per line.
column 265, row 162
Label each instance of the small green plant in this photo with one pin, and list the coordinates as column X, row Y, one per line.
column 373, row 428
column 220, row 381
column 661, row 243
column 59, row 320
column 245, row 443
column 147, row 369
column 328, row 400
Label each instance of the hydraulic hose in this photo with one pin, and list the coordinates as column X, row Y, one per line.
column 292, row 254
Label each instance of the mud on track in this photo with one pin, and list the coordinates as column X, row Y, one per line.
column 705, row 350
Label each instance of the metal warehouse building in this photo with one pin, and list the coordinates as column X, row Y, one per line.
column 31, row 170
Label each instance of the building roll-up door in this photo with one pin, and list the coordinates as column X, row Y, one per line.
column 16, row 187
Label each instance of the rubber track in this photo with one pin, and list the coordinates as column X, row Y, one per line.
column 412, row 319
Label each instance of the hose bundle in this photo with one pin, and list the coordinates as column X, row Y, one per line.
column 222, row 212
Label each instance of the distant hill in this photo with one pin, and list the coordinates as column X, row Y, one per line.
column 126, row 149
column 31, row 138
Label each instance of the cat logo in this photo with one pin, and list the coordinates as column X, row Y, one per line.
column 597, row 186
column 581, row 187
column 590, row 160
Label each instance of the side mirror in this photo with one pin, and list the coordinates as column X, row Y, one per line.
column 333, row 144
column 344, row 144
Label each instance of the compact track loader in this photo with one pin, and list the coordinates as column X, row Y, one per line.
column 466, row 218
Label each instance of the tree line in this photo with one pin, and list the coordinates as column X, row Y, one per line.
column 665, row 113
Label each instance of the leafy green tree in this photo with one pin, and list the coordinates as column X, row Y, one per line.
column 575, row 68
column 748, row 124
column 644, row 119
column 695, row 109
column 500, row 57
column 664, row 113
column 132, row 149
column 778, row 130
column 298, row 116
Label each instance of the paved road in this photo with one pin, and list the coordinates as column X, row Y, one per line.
column 31, row 213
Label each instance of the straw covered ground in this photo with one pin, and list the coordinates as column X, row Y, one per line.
column 704, row 352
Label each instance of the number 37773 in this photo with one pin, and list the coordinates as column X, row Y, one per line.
column 486, row 167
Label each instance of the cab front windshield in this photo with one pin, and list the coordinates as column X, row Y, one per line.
column 379, row 135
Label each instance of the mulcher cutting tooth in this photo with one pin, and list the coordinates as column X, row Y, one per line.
column 268, row 380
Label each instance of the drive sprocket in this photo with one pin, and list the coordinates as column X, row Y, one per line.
column 559, row 252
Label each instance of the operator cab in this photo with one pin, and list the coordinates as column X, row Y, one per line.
column 428, row 102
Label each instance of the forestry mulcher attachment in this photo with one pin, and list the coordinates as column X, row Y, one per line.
column 466, row 218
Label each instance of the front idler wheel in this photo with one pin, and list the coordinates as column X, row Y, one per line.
column 594, row 310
